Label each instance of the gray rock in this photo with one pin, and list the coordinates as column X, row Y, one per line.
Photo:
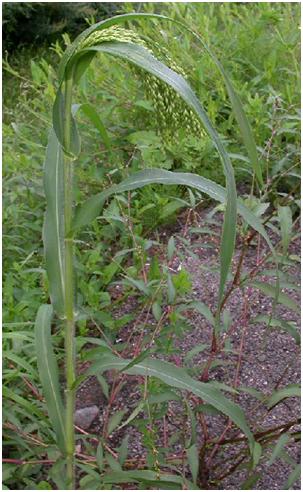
column 84, row 417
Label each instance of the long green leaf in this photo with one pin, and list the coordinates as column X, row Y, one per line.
column 53, row 230
column 243, row 123
column 133, row 415
column 257, row 453
column 48, row 372
column 287, row 392
column 240, row 115
column 141, row 475
column 279, row 323
column 201, row 308
column 281, row 443
column 90, row 209
column 19, row 361
column 294, row 475
column 115, row 420
column 143, row 59
column 194, row 351
column 193, row 461
column 178, row 378
column 282, row 298
column 92, row 114
column 100, row 457
column 58, row 123
column 30, row 408
column 285, row 218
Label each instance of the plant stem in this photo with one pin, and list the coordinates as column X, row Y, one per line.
column 69, row 294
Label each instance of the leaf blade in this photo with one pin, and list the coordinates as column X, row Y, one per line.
column 237, row 106
column 53, row 229
column 142, row 58
column 285, row 218
column 201, row 308
column 94, row 117
column 279, row 323
column 294, row 475
column 48, row 372
column 282, row 441
column 93, row 206
column 58, row 124
column 281, row 298
column 178, row 378
column 288, row 391
column 193, row 461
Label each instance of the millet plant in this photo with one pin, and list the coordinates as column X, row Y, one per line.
column 176, row 105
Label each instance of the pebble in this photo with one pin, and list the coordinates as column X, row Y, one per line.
column 84, row 417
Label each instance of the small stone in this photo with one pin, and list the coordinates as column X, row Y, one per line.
column 84, row 417
column 78, row 448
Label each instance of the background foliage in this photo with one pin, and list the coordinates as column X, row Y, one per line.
column 30, row 23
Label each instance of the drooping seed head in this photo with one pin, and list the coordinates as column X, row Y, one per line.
column 113, row 33
column 172, row 114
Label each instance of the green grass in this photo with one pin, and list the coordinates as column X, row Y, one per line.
column 258, row 45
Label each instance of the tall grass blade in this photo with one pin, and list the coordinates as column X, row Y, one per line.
column 142, row 58
column 243, row 123
column 201, row 308
column 48, row 372
column 92, row 207
column 29, row 409
column 53, row 230
column 237, row 106
column 289, row 327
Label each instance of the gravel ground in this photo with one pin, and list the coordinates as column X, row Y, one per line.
column 268, row 355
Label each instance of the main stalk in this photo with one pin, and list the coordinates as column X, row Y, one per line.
column 70, row 361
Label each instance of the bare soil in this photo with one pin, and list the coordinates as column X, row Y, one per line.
column 271, row 358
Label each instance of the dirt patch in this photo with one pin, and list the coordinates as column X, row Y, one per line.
column 270, row 356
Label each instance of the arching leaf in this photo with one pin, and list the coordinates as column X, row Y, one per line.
column 178, row 378
column 237, row 106
column 90, row 209
column 143, row 59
